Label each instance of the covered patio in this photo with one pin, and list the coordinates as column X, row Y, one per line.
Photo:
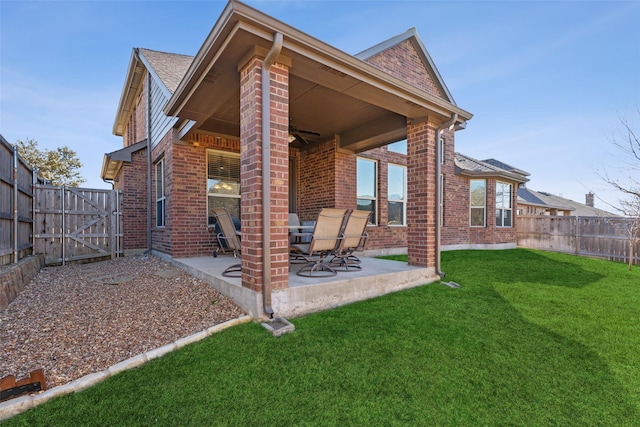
column 307, row 295
column 260, row 83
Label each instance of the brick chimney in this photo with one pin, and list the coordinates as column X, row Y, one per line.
column 589, row 199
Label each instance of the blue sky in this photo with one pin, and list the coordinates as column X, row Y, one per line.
column 547, row 81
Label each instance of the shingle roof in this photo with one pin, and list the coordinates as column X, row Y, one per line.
column 540, row 198
column 170, row 67
column 473, row 167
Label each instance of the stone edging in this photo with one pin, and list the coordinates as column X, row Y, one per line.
column 21, row 404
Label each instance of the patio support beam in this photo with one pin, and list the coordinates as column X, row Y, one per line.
column 421, row 193
column 264, row 161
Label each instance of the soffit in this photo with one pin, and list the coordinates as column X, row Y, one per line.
column 330, row 92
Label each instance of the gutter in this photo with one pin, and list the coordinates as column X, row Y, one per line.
column 269, row 60
column 439, row 190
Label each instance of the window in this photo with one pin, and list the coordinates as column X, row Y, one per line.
column 477, row 202
column 398, row 147
column 367, row 189
column 397, row 186
column 503, row 204
column 223, row 183
column 160, row 194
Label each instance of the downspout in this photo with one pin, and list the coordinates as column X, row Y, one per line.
column 269, row 60
column 439, row 189
column 149, row 193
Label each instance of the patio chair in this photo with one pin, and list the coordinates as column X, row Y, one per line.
column 354, row 237
column 229, row 237
column 325, row 239
column 296, row 235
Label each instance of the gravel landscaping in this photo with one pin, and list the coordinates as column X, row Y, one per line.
column 78, row 319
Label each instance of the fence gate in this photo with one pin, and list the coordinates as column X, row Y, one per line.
column 72, row 224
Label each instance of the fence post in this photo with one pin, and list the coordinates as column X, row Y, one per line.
column 578, row 235
column 63, row 232
column 15, row 204
column 34, row 186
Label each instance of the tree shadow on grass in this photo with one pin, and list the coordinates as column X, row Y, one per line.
column 521, row 266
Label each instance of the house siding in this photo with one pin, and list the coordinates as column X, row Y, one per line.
column 160, row 123
column 136, row 128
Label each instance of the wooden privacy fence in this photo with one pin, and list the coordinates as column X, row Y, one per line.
column 16, row 205
column 599, row 237
column 63, row 223
column 72, row 224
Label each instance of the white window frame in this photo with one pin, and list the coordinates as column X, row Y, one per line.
column 482, row 207
column 402, row 200
column 500, row 205
column 372, row 198
column 161, row 199
column 209, row 194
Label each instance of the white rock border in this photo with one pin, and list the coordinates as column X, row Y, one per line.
column 21, row 404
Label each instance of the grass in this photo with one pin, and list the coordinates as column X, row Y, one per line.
column 530, row 338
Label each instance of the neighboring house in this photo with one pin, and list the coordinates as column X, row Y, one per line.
column 193, row 130
column 479, row 200
column 532, row 202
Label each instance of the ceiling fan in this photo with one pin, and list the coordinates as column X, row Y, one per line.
column 303, row 136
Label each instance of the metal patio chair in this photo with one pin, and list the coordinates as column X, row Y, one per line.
column 231, row 239
column 325, row 239
column 354, row 237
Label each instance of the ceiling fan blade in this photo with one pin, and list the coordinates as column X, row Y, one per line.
column 300, row 138
column 308, row 132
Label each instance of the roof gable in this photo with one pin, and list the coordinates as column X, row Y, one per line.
column 406, row 57
column 169, row 68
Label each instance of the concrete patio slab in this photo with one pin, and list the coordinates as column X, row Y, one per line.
column 307, row 295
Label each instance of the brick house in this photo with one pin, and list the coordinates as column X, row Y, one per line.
column 479, row 203
column 339, row 130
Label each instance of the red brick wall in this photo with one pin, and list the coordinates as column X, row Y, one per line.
column 133, row 183
column 317, row 180
column 186, row 232
column 403, row 62
column 161, row 237
column 421, row 188
column 384, row 236
column 456, row 229
column 327, row 178
column 251, row 166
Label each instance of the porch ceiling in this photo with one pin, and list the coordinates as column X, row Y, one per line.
column 330, row 92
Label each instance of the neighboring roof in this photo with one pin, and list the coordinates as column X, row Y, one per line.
column 526, row 196
column 412, row 35
column 112, row 162
column 169, row 67
column 471, row 167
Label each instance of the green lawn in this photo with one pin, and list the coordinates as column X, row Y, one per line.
column 530, row 338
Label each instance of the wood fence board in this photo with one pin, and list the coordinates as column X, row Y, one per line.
column 76, row 224
column 599, row 237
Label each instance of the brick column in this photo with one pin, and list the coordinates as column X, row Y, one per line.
column 251, row 174
column 421, row 194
